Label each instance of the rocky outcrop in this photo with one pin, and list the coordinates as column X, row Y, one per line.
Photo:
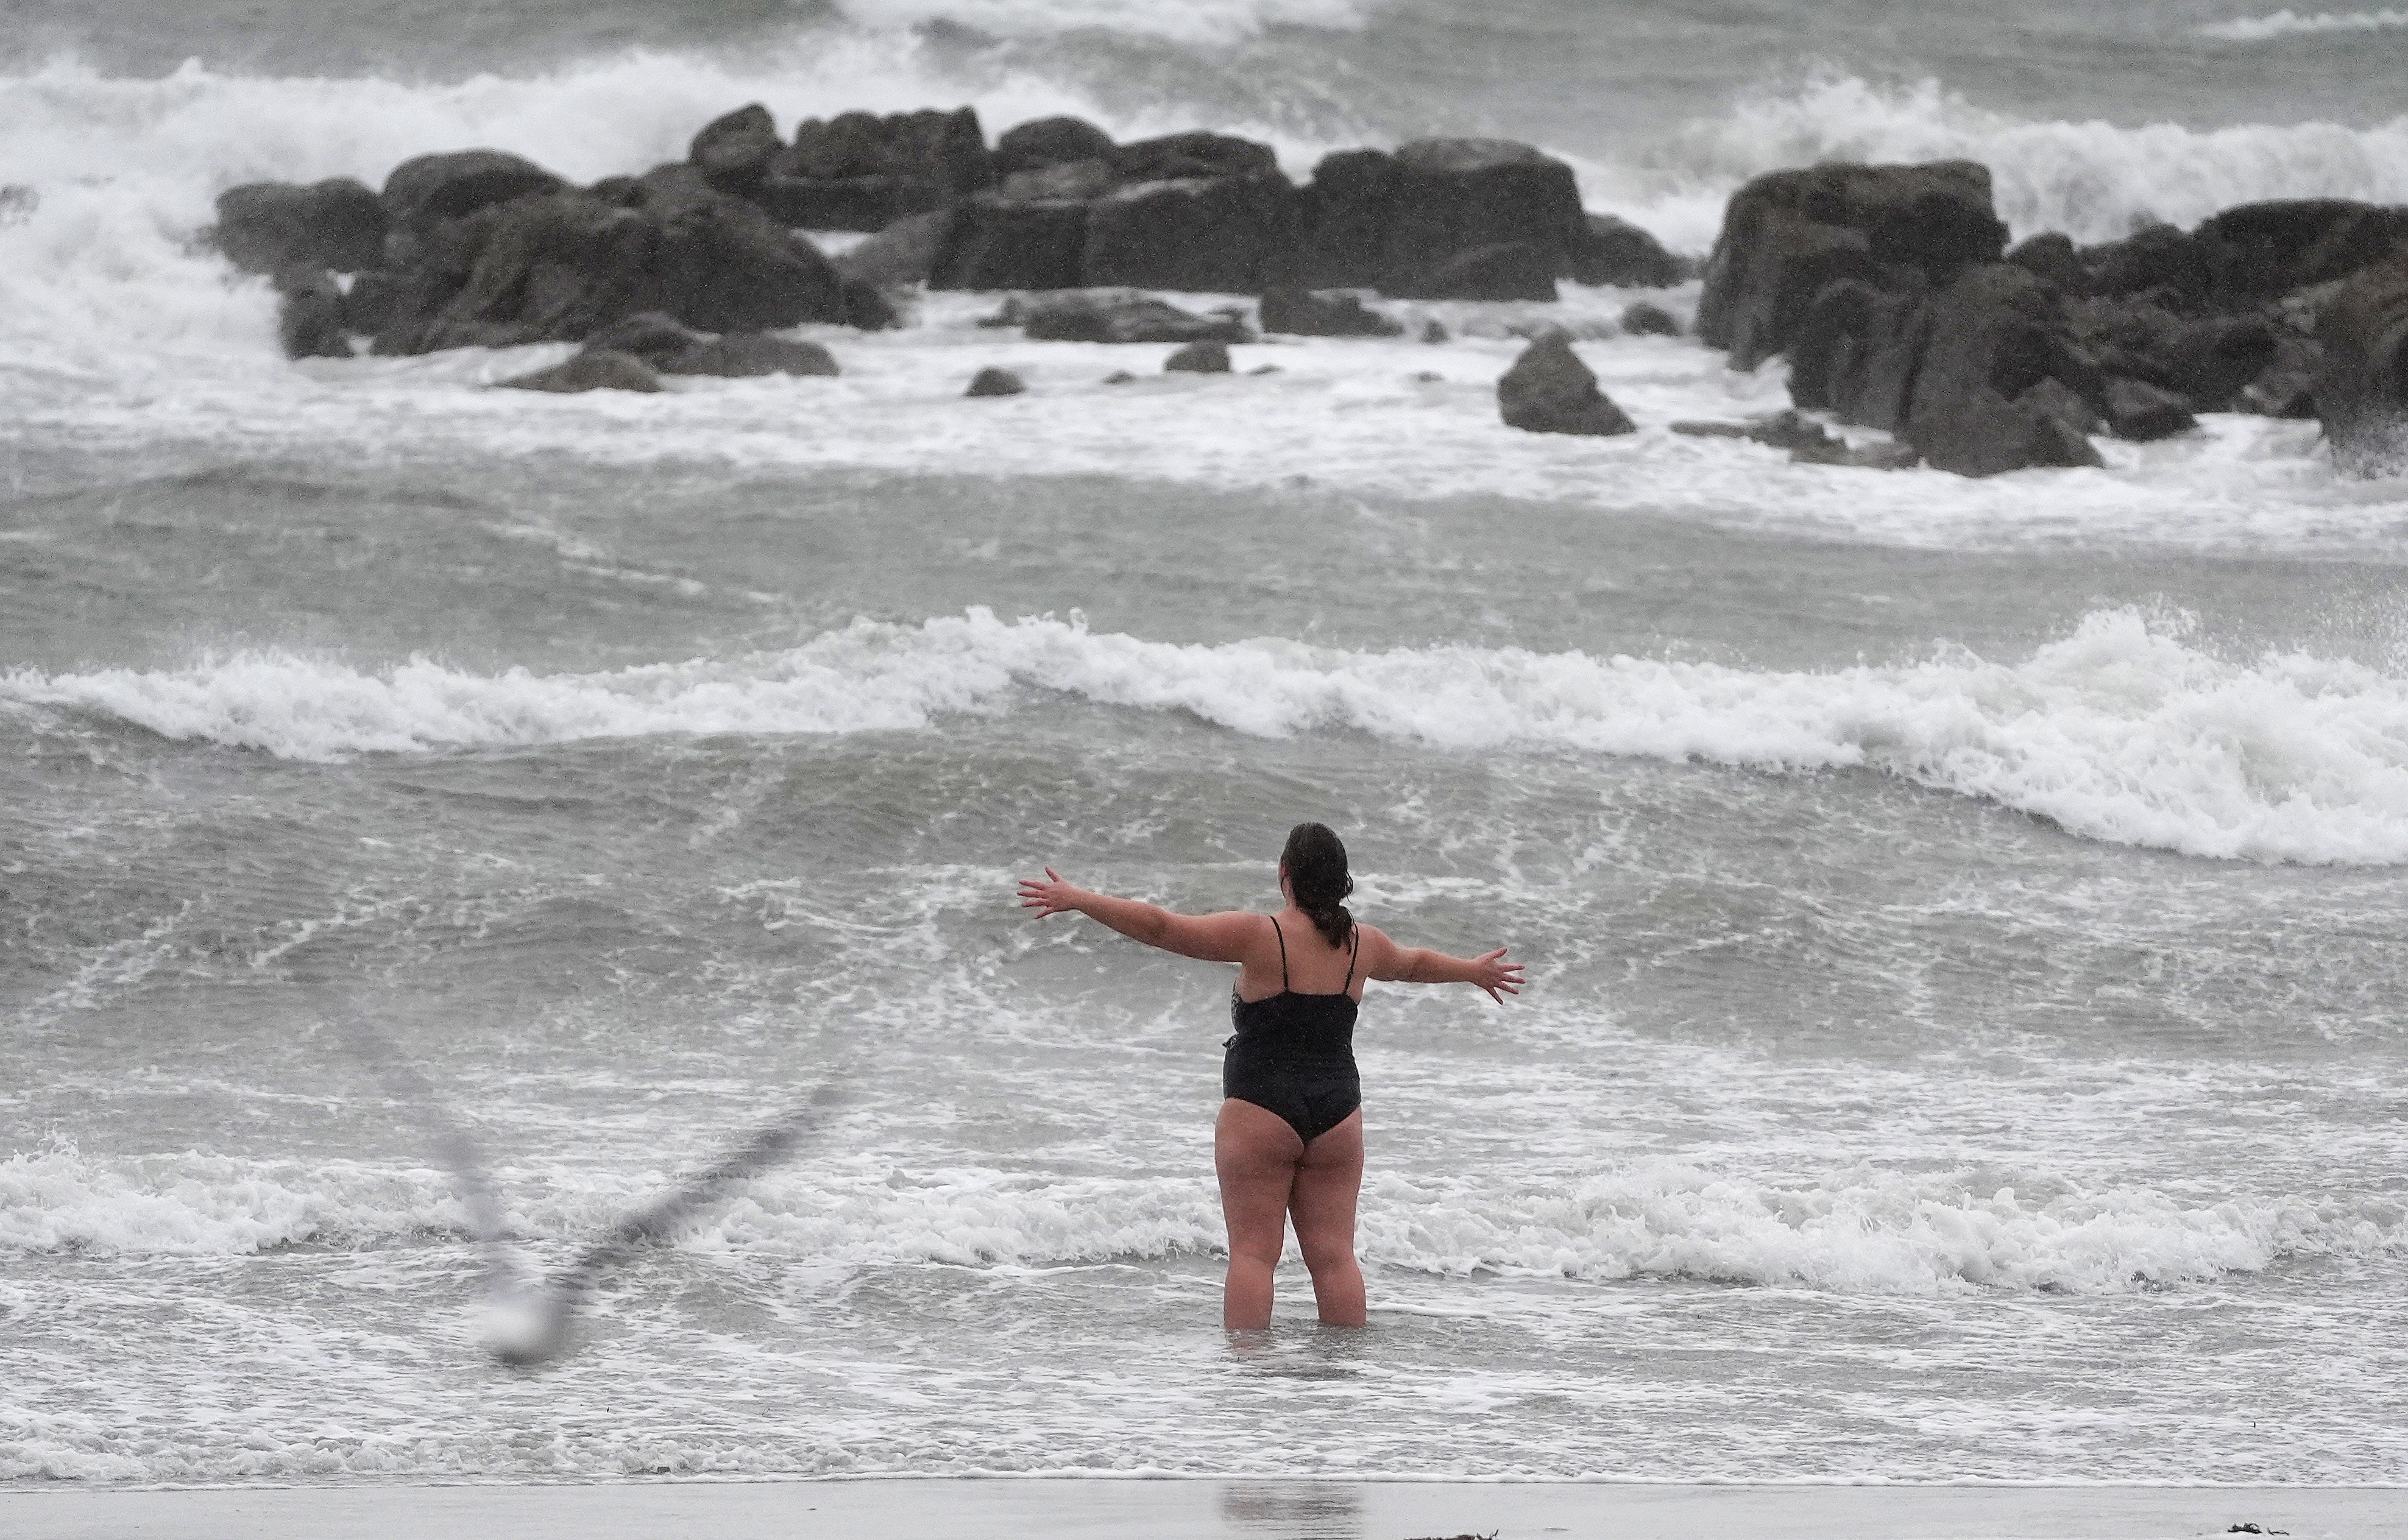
column 2361, row 383
column 903, row 253
column 428, row 191
column 1613, row 251
column 861, row 171
column 733, row 153
column 1223, row 234
column 337, row 226
column 1788, row 235
column 1295, row 312
column 1549, row 389
column 1049, row 141
column 561, row 265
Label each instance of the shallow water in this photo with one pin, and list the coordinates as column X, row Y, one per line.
column 1959, row 914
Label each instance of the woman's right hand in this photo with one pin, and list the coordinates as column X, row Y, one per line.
column 1052, row 896
column 1491, row 972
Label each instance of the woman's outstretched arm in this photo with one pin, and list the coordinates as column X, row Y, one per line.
column 1214, row 938
column 1383, row 959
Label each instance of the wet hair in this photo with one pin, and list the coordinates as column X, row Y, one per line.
column 1316, row 875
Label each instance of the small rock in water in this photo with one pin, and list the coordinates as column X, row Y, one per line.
column 1264, row 369
column 1120, row 376
column 1199, row 358
column 1640, row 319
column 592, row 370
column 993, row 381
column 1549, row 389
column 1435, row 331
column 1429, row 377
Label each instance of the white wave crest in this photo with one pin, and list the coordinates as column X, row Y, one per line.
column 2291, row 23
column 2093, row 180
column 1862, row 1230
column 1190, row 22
column 2120, row 732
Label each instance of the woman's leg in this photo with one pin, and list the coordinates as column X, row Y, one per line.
column 1329, row 1181
column 1255, row 1153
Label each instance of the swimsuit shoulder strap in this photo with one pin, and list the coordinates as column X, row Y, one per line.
column 1282, row 941
column 1353, row 946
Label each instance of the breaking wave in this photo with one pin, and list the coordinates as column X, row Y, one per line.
column 2291, row 23
column 2121, row 731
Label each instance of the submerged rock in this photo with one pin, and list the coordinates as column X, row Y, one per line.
column 1114, row 315
column 673, row 349
column 1640, row 319
column 1295, row 312
column 994, row 381
column 590, row 370
column 1199, row 358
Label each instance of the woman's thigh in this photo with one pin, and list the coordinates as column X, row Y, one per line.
column 1328, row 1182
column 1255, row 1153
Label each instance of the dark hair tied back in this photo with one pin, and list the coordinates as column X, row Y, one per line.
column 1317, row 876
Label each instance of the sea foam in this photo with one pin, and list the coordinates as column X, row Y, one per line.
column 1859, row 1231
column 2291, row 23
column 2122, row 730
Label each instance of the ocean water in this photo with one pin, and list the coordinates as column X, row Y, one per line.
column 1962, row 916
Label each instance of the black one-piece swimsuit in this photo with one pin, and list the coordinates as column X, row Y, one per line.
column 1293, row 1054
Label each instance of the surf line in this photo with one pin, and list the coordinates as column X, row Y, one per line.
column 528, row 1315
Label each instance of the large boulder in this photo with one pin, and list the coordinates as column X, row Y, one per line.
column 1549, row 389
column 733, row 151
column 1218, row 235
column 1458, row 196
column 1180, row 156
column 861, row 171
column 1993, row 338
column 337, row 224
column 1611, row 250
column 1512, row 270
column 310, row 319
column 2361, row 389
column 1114, row 315
column 1346, row 212
column 1003, row 243
column 1048, row 141
column 560, row 267
column 2260, row 252
column 2157, row 261
column 428, row 190
column 905, row 252
column 1296, row 312
column 1790, row 234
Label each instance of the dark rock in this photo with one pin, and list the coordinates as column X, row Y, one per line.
column 1788, row 429
column 2285, row 387
column 864, row 306
column 1219, row 234
column 1048, row 141
column 1294, row 312
column 902, row 254
column 1455, row 199
column 266, row 226
column 1641, row 319
column 2055, row 399
column 945, row 150
column 1990, row 338
column 846, row 203
column 2361, row 388
column 2260, row 252
column 370, row 303
column 2143, row 413
column 2050, row 257
column 1790, row 234
column 590, row 370
column 1178, row 157
column 1265, row 370
column 1198, row 357
column 1513, row 271
column 18, row 203
column 995, row 243
column 733, row 153
column 1345, row 213
column 1435, row 330
column 993, row 381
column 1615, row 250
column 2156, row 257
column 1120, row 376
column 425, row 190
column 673, row 349
column 2210, row 361
column 309, row 317
column 1082, row 180
column 563, row 266
column 1549, row 389
column 1115, row 316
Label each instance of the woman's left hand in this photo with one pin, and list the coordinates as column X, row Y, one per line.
column 1052, row 896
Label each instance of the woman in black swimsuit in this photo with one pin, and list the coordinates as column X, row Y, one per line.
column 1289, row 1142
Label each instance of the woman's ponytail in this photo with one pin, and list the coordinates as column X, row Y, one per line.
column 1318, row 879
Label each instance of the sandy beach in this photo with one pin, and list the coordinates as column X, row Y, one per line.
column 1204, row 1510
